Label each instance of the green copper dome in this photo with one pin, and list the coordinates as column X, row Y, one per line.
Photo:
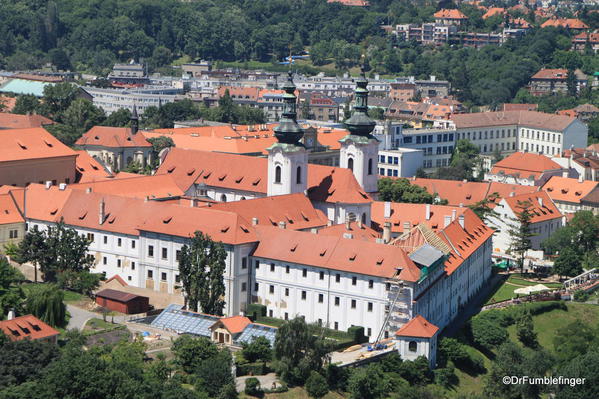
column 359, row 123
column 288, row 131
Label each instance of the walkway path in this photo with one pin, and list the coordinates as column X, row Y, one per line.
column 265, row 381
column 80, row 316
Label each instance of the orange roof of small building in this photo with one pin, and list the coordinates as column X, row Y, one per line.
column 295, row 210
column 357, row 230
column 16, row 121
column 112, row 137
column 89, row 169
column 26, row 327
column 540, row 213
column 570, row 23
column 520, row 23
column 233, row 324
column 520, row 107
column 525, row 164
column 139, row 186
column 354, row 3
column 335, row 253
column 551, row 73
column 569, row 190
column 450, row 14
column 240, row 93
column 418, row 327
column 9, row 211
column 494, row 11
column 33, row 143
column 325, row 183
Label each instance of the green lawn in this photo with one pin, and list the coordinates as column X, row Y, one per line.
column 506, row 289
column 69, row 296
column 293, row 393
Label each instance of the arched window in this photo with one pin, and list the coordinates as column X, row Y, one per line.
column 277, row 174
column 298, row 175
column 370, row 166
column 412, row 346
column 242, row 199
column 350, row 164
column 223, row 198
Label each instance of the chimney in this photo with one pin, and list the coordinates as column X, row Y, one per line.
column 11, row 314
column 453, row 214
column 387, row 232
column 347, row 224
column 348, row 235
column 62, row 186
column 540, row 202
column 406, row 226
column 88, row 190
column 446, row 220
column 359, row 223
column 282, row 225
column 580, row 178
column 48, row 184
column 461, row 205
column 387, row 212
column 329, row 223
column 428, row 212
column 101, row 212
column 512, row 194
column 461, row 220
column 564, row 173
column 254, row 221
column 314, row 230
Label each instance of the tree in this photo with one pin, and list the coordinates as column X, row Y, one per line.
column 400, row 190
column 24, row 360
column 573, row 340
column 119, row 118
column 487, row 332
column 202, row 265
column 464, row 160
column 252, row 387
column 45, row 301
column 316, row 385
column 214, row 374
column 83, row 281
column 31, row 248
column 26, row 104
column 367, row 382
column 520, row 233
column 568, row 263
column 160, row 143
column 299, row 349
column 258, row 349
column 82, row 115
column 190, row 352
column 525, row 330
column 571, row 82
column 57, row 98
column 578, row 235
column 584, row 367
column 483, row 208
column 11, row 294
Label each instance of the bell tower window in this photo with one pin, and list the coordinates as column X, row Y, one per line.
column 298, row 175
column 350, row 164
column 277, row 174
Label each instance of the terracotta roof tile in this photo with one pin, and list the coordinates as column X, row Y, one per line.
column 358, row 231
column 20, row 144
column 525, row 164
column 112, row 137
column 450, row 14
column 506, row 118
column 118, row 296
column 9, row 212
column 571, row 23
column 138, row 186
column 540, row 213
column 89, row 169
column 418, row 327
column 234, row 324
column 26, row 327
column 16, row 121
column 569, row 190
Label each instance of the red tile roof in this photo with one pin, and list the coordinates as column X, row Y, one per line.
column 525, row 164
column 16, row 121
column 138, row 186
column 450, row 14
column 506, row 118
column 9, row 212
column 548, row 73
column 494, row 11
column 418, row 327
column 240, row 93
column 325, row 183
column 295, row 210
column 118, row 296
column 454, row 191
column 233, row 324
column 335, row 253
column 33, row 143
column 112, row 137
column 520, row 107
column 570, row 23
column 414, row 214
column 358, row 231
column 89, row 169
column 26, row 327
column 547, row 211
column 569, row 190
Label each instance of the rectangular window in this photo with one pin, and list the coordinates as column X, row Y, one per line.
column 119, row 242
column 257, row 265
column 90, row 237
column 150, row 274
column 256, row 287
column 337, row 278
column 370, row 306
column 164, row 253
column 178, row 280
column 105, row 239
column 243, row 287
column 118, row 263
column 304, row 272
column 163, row 276
column 271, row 289
column 286, row 316
column 270, row 313
column 321, row 275
column 369, row 332
column 272, row 267
column 132, row 265
column 104, row 260
column 244, row 263
column 320, row 298
column 336, row 325
column 395, row 173
column 337, row 300
column 303, row 295
column 353, row 303
column 286, row 291
column 132, row 244
column 388, row 287
column 371, row 284
column 287, row 269
column 354, row 280
column 151, row 251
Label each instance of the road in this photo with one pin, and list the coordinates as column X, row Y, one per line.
column 80, row 316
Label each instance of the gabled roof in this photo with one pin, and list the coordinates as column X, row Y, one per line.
column 542, row 207
column 16, row 121
column 409, row 215
column 335, row 253
column 112, row 137
column 525, row 164
column 244, row 173
column 9, row 212
column 295, row 210
column 450, row 14
column 506, row 118
column 571, row 23
column 139, row 186
column 118, row 296
column 233, row 324
column 569, row 190
column 357, row 230
column 26, row 327
column 418, row 327
column 494, row 11
column 33, row 143
column 88, row 169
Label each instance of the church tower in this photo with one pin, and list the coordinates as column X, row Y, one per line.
column 134, row 120
column 288, row 158
column 359, row 149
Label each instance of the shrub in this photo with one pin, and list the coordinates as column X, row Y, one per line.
column 357, row 334
column 252, row 387
column 581, row 296
column 258, row 349
column 337, row 377
column 256, row 310
column 260, row 368
column 316, row 385
column 487, row 332
column 446, row 377
column 525, row 331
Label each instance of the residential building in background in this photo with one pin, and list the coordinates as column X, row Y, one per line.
column 527, row 169
column 551, row 81
column 572, row 195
